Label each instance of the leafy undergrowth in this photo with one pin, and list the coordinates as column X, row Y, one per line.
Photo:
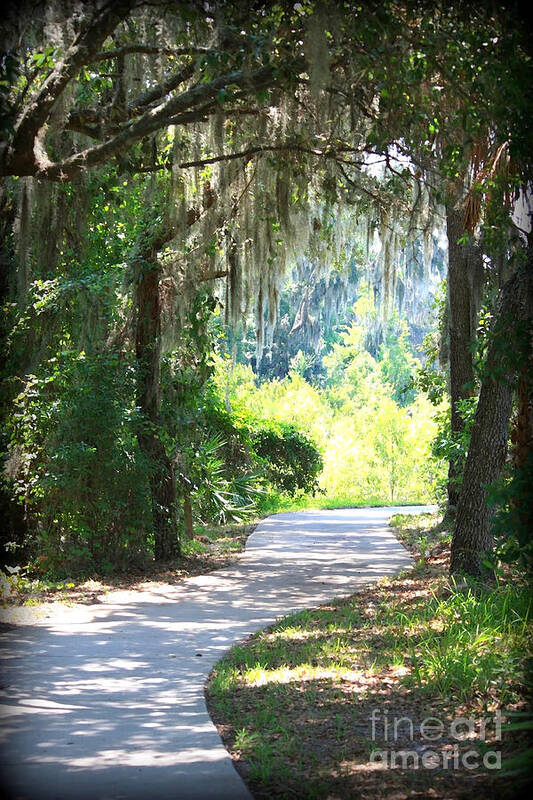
column 424, row 537
column 324, row 703
column 212, row 548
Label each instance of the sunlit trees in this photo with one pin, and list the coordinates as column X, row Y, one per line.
column 374, row 450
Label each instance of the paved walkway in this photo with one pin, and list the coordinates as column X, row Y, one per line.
column 105, row 702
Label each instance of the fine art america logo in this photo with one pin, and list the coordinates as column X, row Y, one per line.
column 434, row 744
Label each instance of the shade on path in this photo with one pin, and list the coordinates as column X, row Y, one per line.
column 106, row 701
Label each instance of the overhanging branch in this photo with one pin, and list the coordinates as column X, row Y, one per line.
column 90, row 38
column 178, row 108
column 144, row 49
column 287, row 147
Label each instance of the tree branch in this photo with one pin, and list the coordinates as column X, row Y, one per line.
column 358, row 186
column 180, row 109
column 97, row 122
column 106, row 55
column 148, row 98
column 287, row 147
column 212, row 276
column 91, row 36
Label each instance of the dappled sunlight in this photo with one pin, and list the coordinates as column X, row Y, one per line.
column 278, row 701
column 117, row 686
column 292, row 635
column 303, row 672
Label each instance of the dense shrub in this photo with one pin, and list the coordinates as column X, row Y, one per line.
column 75, row 466
column 293, row 461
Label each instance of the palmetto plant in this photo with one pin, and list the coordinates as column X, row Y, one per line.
column 217, row 497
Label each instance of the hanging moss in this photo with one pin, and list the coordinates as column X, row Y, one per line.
column 317, row 51
column 252, row 220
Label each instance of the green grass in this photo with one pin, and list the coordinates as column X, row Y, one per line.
column 275, row 502
column 420, row 533
column 460, row 646
column 291, row 702
column 475, row 644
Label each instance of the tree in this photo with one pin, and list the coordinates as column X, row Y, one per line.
column 148, row 354
column 472, row 537
column 118, row 121
column 476, row 153
column 444, row 104
column 465, row 275
column 397, row 363
column 65, row 115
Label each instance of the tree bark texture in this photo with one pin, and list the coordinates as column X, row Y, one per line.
column 465, row 275
column 148, row 353
column 472, row 536
column 522, row 454
column 522, row 433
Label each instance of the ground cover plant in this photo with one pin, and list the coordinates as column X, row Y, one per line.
column 302, row 706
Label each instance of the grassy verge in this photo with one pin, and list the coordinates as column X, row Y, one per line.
column 275, row 502
column 426, row 540
column 302, row 706
column 212, row 548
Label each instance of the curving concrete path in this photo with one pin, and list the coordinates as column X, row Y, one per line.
column 106, row 702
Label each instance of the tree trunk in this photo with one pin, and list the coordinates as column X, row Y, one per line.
column 465, row 271
column 187, row 515
column 14, row 523
column 472, row 536
column 522, row 433
column 522, row 455
column 148, row 352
